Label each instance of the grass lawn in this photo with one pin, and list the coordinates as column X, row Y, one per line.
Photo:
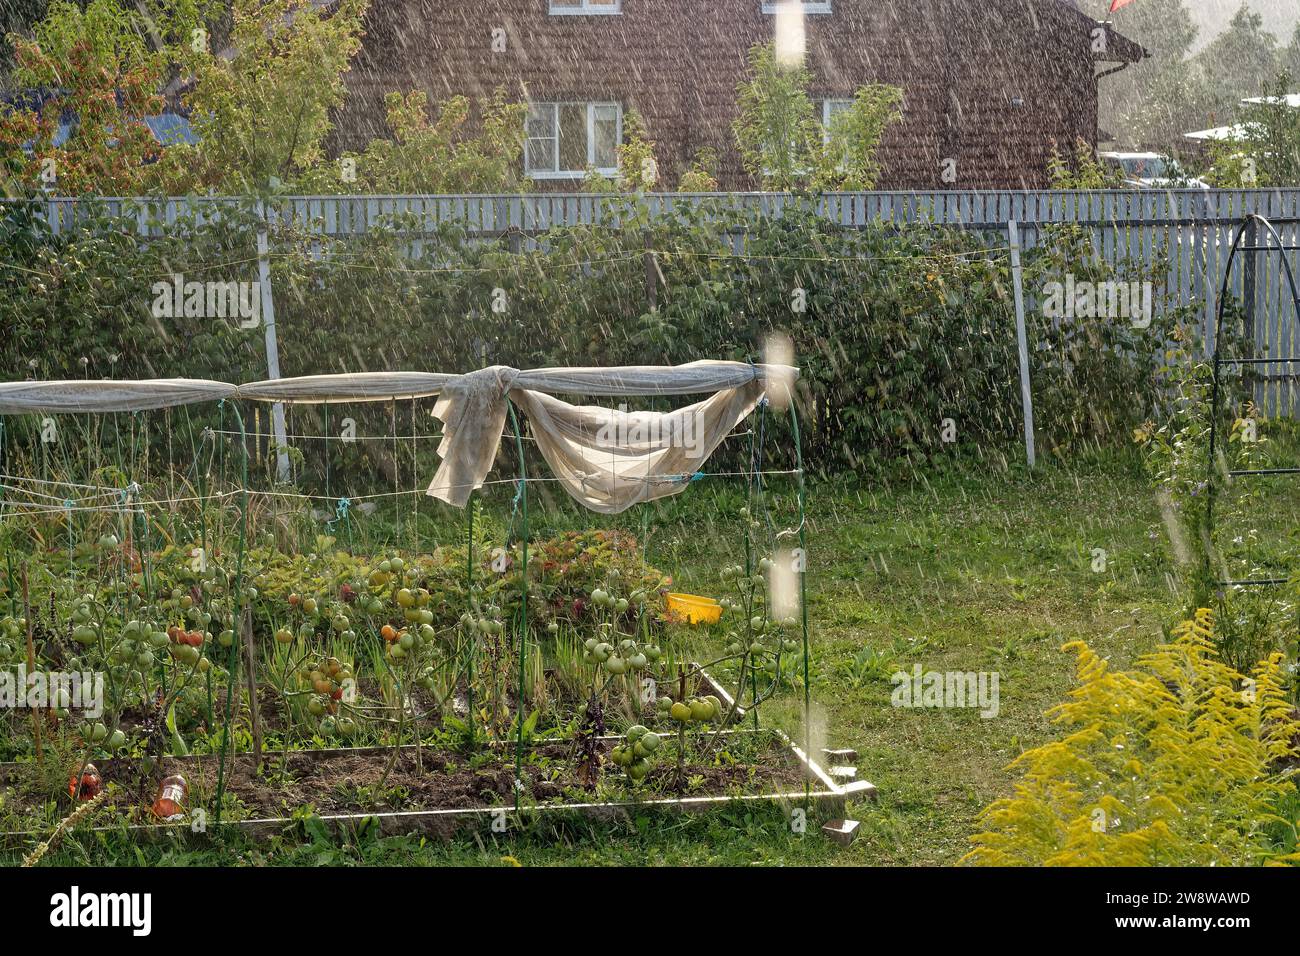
column 958, row 573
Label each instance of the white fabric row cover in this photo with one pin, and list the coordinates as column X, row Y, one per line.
column 31, row 398
column 607, row 459
column 110, row 395
column 353, row 387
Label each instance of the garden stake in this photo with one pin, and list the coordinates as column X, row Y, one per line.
column 232, row 660
column 250, row 666
column 473, row 637
column 31, row 666
column 523, row 606
column 803, row 595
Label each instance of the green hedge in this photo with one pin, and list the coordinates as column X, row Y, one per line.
column 896, row 329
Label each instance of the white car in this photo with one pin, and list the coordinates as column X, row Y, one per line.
column 1150, row 171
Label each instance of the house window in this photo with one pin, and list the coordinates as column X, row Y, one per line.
column 809, row 6
column 831, row 109
column 564, row 139
column 585, row 7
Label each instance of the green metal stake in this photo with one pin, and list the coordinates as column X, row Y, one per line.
column 523, row 606
column 803, row 598
column 237, row 612
column 750, row 499
column 327, row 450
column 473, row 634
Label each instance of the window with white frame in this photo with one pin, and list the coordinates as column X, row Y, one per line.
column 565, row 139
column 831, row 109
column 580, row 7
column 809, row 6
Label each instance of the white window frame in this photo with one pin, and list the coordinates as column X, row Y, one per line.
column 586, row 8
column 826, row 114
column 591, row 107
column 809, row 6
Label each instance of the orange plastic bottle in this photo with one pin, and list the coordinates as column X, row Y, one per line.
column 91, row 783
column 173, row 794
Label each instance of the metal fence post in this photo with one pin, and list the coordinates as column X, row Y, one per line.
column 1022, row 342
column 272, row 346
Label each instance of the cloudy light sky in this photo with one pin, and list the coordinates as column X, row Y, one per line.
column 1280, row 16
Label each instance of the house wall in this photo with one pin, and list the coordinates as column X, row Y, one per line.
column 963, row 65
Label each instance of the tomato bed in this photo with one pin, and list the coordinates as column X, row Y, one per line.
column 434, row 790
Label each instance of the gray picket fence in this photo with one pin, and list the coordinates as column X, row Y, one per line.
column 1188, row 231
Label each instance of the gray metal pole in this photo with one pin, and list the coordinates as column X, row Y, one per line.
column 1018, row 290
column 272, row 347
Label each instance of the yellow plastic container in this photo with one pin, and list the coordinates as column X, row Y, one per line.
column 693, row 609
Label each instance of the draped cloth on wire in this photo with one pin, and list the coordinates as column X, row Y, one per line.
column 607, row 459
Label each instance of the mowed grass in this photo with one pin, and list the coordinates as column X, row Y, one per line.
column 982, row 569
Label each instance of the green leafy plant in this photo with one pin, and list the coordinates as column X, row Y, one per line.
column 785, row 147
column 435, row 155
column 1179, row 761
column 105, row 79
column 262, row 115
column 848, row 160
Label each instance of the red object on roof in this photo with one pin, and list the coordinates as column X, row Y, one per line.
column 1116, row 4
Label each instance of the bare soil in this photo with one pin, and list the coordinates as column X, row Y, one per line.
column 342, row 782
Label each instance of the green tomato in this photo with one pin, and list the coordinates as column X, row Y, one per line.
column 650, row 741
